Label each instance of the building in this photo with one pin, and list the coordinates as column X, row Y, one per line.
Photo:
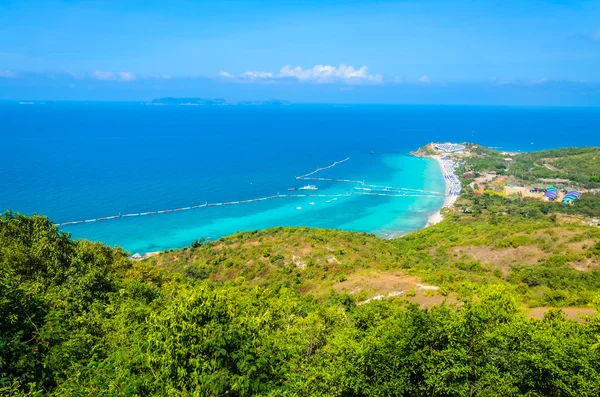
column 571, row 196
column 538, row 187
column 448, row 147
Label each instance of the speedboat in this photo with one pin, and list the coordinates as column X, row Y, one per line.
column 309, row 187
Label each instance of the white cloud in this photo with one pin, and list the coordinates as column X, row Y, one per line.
column 502, row 80
column 75, row 75
column 253, row 75
column 155, row 76
column 7, row 74
column 99, row 75
column 120, row 76
column 318, row 74
column 126, row 76
column 330, row 74
column 424, row 79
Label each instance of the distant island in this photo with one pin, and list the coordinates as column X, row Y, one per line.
column 212, row 102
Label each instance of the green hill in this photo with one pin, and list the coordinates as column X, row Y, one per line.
column 578, row 167
column 544, row 262
column 266, row 313
column 500, row 298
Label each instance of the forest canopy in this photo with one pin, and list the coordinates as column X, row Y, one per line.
column 79, row 318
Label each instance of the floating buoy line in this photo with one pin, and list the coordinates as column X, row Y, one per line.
column 362, row 189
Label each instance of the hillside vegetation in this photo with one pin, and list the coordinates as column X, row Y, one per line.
column 580, row 166
column 78, row 318
column 443, row 311
column 545, row 260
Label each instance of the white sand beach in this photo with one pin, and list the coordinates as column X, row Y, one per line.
column 452, row 188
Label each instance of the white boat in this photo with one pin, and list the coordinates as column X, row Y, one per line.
column 328, row 201
column 312, row 203
column 309, row 187
column 298, row 208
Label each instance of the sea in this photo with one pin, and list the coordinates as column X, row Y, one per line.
column 76, row 161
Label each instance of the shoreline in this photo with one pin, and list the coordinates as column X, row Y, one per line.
column 450, row 199
column 451, row 181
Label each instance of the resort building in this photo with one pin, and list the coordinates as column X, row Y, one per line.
column 449, row 147
column 551, row 194
column 571, row 196
column 538, row 187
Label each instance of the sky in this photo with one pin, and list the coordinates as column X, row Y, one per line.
column 444, row 52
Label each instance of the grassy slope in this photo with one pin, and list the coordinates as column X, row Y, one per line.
column 579, row 165
column 547, row 262
column 309, row 260
column 541, row 250
column 84, row 320
column 79, row 319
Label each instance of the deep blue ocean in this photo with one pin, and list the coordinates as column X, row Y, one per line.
column 76, row 161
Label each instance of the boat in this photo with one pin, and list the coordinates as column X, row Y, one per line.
column 291, row 188
column 298, row 208
column 312, row 203
column 309, row 187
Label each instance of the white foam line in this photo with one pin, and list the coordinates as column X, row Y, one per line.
column 323, row 168
column 365, row 187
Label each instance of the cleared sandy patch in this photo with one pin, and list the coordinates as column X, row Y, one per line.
column 504, row 257
column 391, row 284
column 378, row 283
column 574, row 313
column 524, row 191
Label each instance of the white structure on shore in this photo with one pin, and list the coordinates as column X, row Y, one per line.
column 449, row 147
column 452, row 180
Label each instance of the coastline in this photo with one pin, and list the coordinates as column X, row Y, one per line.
column 450, row 199
column 434, row 215
column 450, row 180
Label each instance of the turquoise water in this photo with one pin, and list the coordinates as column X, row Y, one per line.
column 76, row 161
column 381, row 215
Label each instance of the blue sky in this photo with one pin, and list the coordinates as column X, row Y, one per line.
column 478, row 52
